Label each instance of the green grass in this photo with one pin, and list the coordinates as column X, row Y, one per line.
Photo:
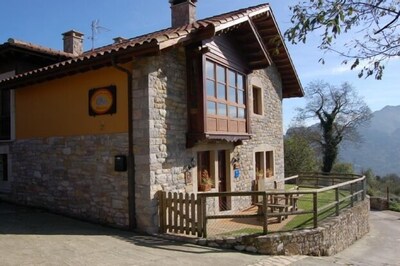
column 305, row 203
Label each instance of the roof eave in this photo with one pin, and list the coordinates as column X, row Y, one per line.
column 77, row 65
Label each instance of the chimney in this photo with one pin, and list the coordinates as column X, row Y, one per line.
column 119, row 40
column 73, row 42
column 183, row 12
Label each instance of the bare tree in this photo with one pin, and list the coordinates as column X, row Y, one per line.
column 339, row 111
column 374, row 25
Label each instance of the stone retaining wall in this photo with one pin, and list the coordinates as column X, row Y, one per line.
column 379, row 204
column 333, row 235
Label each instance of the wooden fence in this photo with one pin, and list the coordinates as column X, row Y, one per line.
column 180, row 213
column 183, row 213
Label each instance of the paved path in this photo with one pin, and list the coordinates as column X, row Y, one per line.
column 34, row 237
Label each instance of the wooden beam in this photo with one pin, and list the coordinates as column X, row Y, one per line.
column 260, row 41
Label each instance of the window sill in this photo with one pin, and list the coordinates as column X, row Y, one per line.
column 193, row 138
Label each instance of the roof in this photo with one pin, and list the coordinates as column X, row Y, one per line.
column 27, row 46
column 260, row 19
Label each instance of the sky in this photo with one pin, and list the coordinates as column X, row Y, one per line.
column 43, row 21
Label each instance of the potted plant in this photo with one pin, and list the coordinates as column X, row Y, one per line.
column 206, row 181
column 268, row 173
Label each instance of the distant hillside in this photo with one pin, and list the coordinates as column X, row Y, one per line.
column 380, row 146
column 380, row 149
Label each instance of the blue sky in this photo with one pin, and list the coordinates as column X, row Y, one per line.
column 43, row 21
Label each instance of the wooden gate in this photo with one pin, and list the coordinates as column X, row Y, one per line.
column 181, row 213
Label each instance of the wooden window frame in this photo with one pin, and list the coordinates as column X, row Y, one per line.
column 264, row 161
column 226, row 101
column 257, row 100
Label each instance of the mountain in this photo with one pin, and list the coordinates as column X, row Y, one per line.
column 380, row 146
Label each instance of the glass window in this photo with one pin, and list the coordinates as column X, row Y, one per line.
column 221, row 74
column 211, row 109
column 231, row 78
column 240, row 97
column 232, row 94
column 233, row 111
column 240, row 82
column 210, row 88
column 264, row 164
column 222, row 109
column 210, row 70
column 257, row 102
column 225, row 91
column 221, row 91
column 241, row 113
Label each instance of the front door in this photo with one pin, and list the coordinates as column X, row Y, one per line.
column 222, row 179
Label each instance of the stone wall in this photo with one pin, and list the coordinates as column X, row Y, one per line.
column 266, row 129
column 72, row 175
column 379, row 204
column 160, row 121
column 333, row 235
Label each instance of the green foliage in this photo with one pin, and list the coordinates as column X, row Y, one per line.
column 374, row 25
column 343, row 168
column 394, row 206
column 377, row 186
column 299, row 155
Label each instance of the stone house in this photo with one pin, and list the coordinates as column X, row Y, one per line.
column 96, row 134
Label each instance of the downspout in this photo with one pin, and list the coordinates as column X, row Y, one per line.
column 131, row 156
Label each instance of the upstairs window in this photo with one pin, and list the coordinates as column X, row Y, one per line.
column 225, row 91
column 257, row 101
column 226, row 98
column 5, row 128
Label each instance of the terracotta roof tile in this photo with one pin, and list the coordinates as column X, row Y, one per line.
column 170, row 36
column 36, row 48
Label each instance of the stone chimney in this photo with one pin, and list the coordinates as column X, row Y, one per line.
column 119, row 40
column 73, row 42
column 183, row 12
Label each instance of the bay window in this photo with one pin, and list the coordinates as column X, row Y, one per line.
column 225, row 99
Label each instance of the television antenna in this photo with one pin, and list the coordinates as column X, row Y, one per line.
column 96, row 29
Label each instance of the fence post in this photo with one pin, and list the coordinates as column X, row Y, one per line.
column 364, row 184
column 315, row 209
column 264, row 209
column 352, row 195
column 161, row 211
column 337, row 200
column 204, row 215
column 387, row 198
column 199, row 216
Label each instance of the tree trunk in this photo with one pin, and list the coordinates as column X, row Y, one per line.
column 330, row 149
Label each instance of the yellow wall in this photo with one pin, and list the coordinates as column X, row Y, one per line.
column 60, row 107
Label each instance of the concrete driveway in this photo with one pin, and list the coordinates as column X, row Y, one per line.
column 33, row 237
